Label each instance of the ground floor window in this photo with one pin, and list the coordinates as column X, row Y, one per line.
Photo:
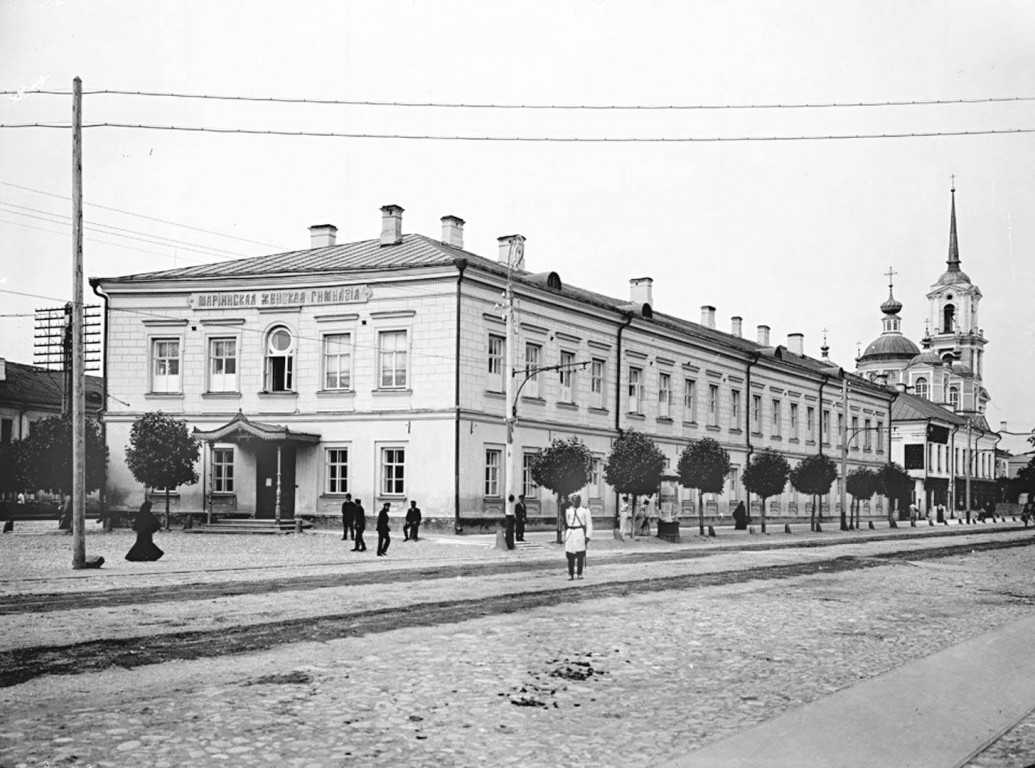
column 393, row 471
column 337, row 470
column 492, row 472
column 528, row 486
column 223, row 470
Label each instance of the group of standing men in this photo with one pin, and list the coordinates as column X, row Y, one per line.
column 515, row 516
column 354, row 523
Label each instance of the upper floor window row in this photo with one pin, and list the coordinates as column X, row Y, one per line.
column 280, row 349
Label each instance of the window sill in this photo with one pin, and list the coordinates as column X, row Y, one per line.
column 335, row 393
column 793, row 440
column 163, row 396
column 220, row 395
column 756, row 434
column 690, row 424
column 714, row 428
column 597, row 409
column 533, row 400
column 636, row 416
column 387, row 392
column 567, row 406
column 495, row 395
column 224, row 494
column 735, row 431
column 810, row 442
column 777, row 438
column 284, row 395
column 664, row 420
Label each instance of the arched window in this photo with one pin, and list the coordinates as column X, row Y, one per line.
column 954, row 398
column 280, row 360
column 920, row 387
column 949, row 317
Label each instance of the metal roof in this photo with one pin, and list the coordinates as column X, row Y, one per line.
column 31, row 387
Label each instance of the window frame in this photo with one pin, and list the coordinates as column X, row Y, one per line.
column 566, row 376
column 533, row 361
column 493, row 475
column 713, row 405
column 394, row 471
column 598, row 379
column 690, row 400
column 174, row 381
column 664, row 395
column 222, row 470
column 235, row 385
column 635, row 390
column 496, row 363
column 344, row 351
column 339, row 477
column 270, row 376
column 388, row 359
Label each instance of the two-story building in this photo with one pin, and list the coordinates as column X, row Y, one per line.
column 377, row 368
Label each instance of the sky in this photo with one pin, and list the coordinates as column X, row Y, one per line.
column 794, row 234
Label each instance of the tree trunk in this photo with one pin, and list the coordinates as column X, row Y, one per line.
column 764, row 498
column 560, row 521
column 167, row 509
column 812, row 525
column 844, row 518
column 700, row 510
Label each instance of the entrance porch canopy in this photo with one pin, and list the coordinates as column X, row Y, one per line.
column 241, row 428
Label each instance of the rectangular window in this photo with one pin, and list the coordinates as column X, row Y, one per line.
column 391, row 354
column 497, row 349
column 528, row 486
column 735, row 408
column 337, row 361
column 393, row 471
column 867, row 435
column 223, row 470
column 222, row 365
column 635, row 390
column 337, row 470
column 794, row 421
column 855, row 432
column 165, row 365
column 664, row 395
column 777, row 417
column 756, row 414
column 6, row 431
column 566, row 375
column 713, row 404
column 810, row 423
column 880, row 436
column 492, row 472
column 826, row 427
column 597, row 372
column 841, row 428
column 596, row 474
column 689, row 400
column 533, row 354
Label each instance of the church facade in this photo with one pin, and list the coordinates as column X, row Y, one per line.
column 941, row 434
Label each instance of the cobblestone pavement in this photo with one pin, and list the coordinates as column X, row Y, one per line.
column 616, row 680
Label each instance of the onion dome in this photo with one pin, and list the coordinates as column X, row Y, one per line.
column 892, row 306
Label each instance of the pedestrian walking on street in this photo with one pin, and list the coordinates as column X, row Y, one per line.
column 348, row 518
column 624, row 523
column 913, row 513
column 740, row 517
column 510, row 519
column 520, row 516
column 359, row 520
column 1026, row 513
column 578, row 529
column 146, row 525
column 383, row 537
column 412, row 525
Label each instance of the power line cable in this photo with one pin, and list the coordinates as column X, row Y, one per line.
column 538, row 139
column 486, row 105
column 142, row 216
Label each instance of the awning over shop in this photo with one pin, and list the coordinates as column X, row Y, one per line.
column 241, row 428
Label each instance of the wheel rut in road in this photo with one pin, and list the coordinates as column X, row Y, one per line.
column 20, row 665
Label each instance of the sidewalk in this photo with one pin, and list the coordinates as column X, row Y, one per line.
column 936, row 712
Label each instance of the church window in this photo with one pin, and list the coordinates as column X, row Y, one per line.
column 949, row 314
column 954, row 398
column 920, row 387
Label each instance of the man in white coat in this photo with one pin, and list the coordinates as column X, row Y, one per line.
column 578, row 529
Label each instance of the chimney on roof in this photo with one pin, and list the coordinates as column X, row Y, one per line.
column 737, row 326
column 796, row 343
column 322, row 235
column 708, row 316
column 641, row 290
column 763, row 335
column 1002, row 424
column 391, row 225
column 453, row 231
column 512, row 251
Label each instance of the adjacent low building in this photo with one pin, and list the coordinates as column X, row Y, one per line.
column 377, row 368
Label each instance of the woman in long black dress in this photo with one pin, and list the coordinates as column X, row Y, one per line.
column 145, row 524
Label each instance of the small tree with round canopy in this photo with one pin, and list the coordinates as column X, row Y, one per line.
column 563, row 467
column 766, row 476
column 704, row 465
column 813, row 476
column 634, row 467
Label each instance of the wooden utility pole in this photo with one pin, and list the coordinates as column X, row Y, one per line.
column 78, row 358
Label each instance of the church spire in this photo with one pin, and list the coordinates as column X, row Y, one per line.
column 954, row 248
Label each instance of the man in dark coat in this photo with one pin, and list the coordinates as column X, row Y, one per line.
column 740, row 518
column 348, row 518
column 412, row 525
column 359, row 519
column 520, row 515
column 383, row 538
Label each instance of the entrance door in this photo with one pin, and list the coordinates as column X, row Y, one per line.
column 266, row 481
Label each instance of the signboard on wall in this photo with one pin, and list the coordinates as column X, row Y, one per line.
column 301, row 297
column 915, row 456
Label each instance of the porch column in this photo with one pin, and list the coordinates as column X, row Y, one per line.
column 211, row 450
column 276, row 508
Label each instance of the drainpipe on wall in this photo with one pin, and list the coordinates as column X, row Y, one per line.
column 618, row 399
column 952, row 470
column 461, row 265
